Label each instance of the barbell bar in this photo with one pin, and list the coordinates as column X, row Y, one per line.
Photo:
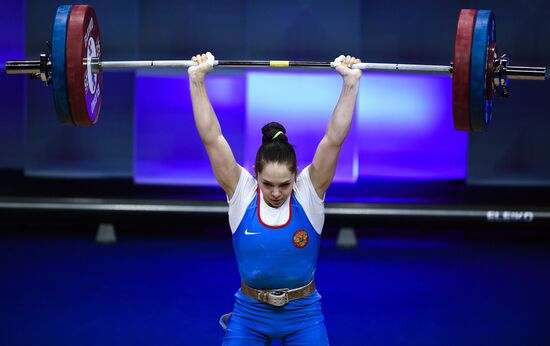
column 75, row 67
column 510, row 72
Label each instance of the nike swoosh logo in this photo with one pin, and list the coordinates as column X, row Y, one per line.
column 250, row 233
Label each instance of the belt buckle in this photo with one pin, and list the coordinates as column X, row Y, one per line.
column 278, row 297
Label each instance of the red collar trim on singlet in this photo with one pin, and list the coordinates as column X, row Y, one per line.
column 289, row 212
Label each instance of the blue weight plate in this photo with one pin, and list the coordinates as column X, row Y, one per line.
column 59, row 76
column 480, row 105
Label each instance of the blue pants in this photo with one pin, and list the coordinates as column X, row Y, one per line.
column 300, row 322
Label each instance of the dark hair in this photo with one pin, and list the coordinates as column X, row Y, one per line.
column 275, row 148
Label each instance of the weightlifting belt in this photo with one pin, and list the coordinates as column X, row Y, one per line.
column 279, row 296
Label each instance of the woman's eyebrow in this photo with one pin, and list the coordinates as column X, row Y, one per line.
column 265, row 181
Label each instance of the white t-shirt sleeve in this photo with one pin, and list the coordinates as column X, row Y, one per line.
column 314, row 206
column 244, row 194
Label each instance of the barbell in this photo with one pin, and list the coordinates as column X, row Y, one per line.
column 75, row 68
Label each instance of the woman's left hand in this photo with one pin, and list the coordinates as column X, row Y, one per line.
column 343, row 64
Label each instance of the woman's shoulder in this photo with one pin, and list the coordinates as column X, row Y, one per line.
column 303, row 180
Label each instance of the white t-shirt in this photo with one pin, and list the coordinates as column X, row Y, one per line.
column 303, row 190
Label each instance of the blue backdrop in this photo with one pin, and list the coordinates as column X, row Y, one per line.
column 513, row 152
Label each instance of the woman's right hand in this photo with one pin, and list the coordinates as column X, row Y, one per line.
column 205, row 64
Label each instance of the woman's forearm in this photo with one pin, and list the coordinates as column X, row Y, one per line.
column 342, row 117
column 206, row 121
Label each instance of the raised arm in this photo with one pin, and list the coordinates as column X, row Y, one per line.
column 324, row 163
column 226, row 170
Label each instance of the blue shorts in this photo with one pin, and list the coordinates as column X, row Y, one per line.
column 300, row 322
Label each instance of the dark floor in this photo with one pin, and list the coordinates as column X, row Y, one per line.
column 167, row 288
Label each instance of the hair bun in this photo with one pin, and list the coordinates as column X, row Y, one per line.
column 271, row 133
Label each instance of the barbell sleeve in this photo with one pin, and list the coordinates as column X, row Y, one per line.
column 526, row 72
column 22, row 66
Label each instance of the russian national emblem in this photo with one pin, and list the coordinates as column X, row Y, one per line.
column 300, row 238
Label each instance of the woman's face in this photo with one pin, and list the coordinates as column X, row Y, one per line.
column 276, row 182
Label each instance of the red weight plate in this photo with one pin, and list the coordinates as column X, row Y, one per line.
column 461, row 69
column 83, row 83
column 491, row 57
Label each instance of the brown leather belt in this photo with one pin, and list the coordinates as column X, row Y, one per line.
column 280, row 296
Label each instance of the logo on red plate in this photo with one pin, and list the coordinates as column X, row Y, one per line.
column 300, row 238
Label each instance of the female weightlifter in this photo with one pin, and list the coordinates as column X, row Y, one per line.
column 276, row 217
